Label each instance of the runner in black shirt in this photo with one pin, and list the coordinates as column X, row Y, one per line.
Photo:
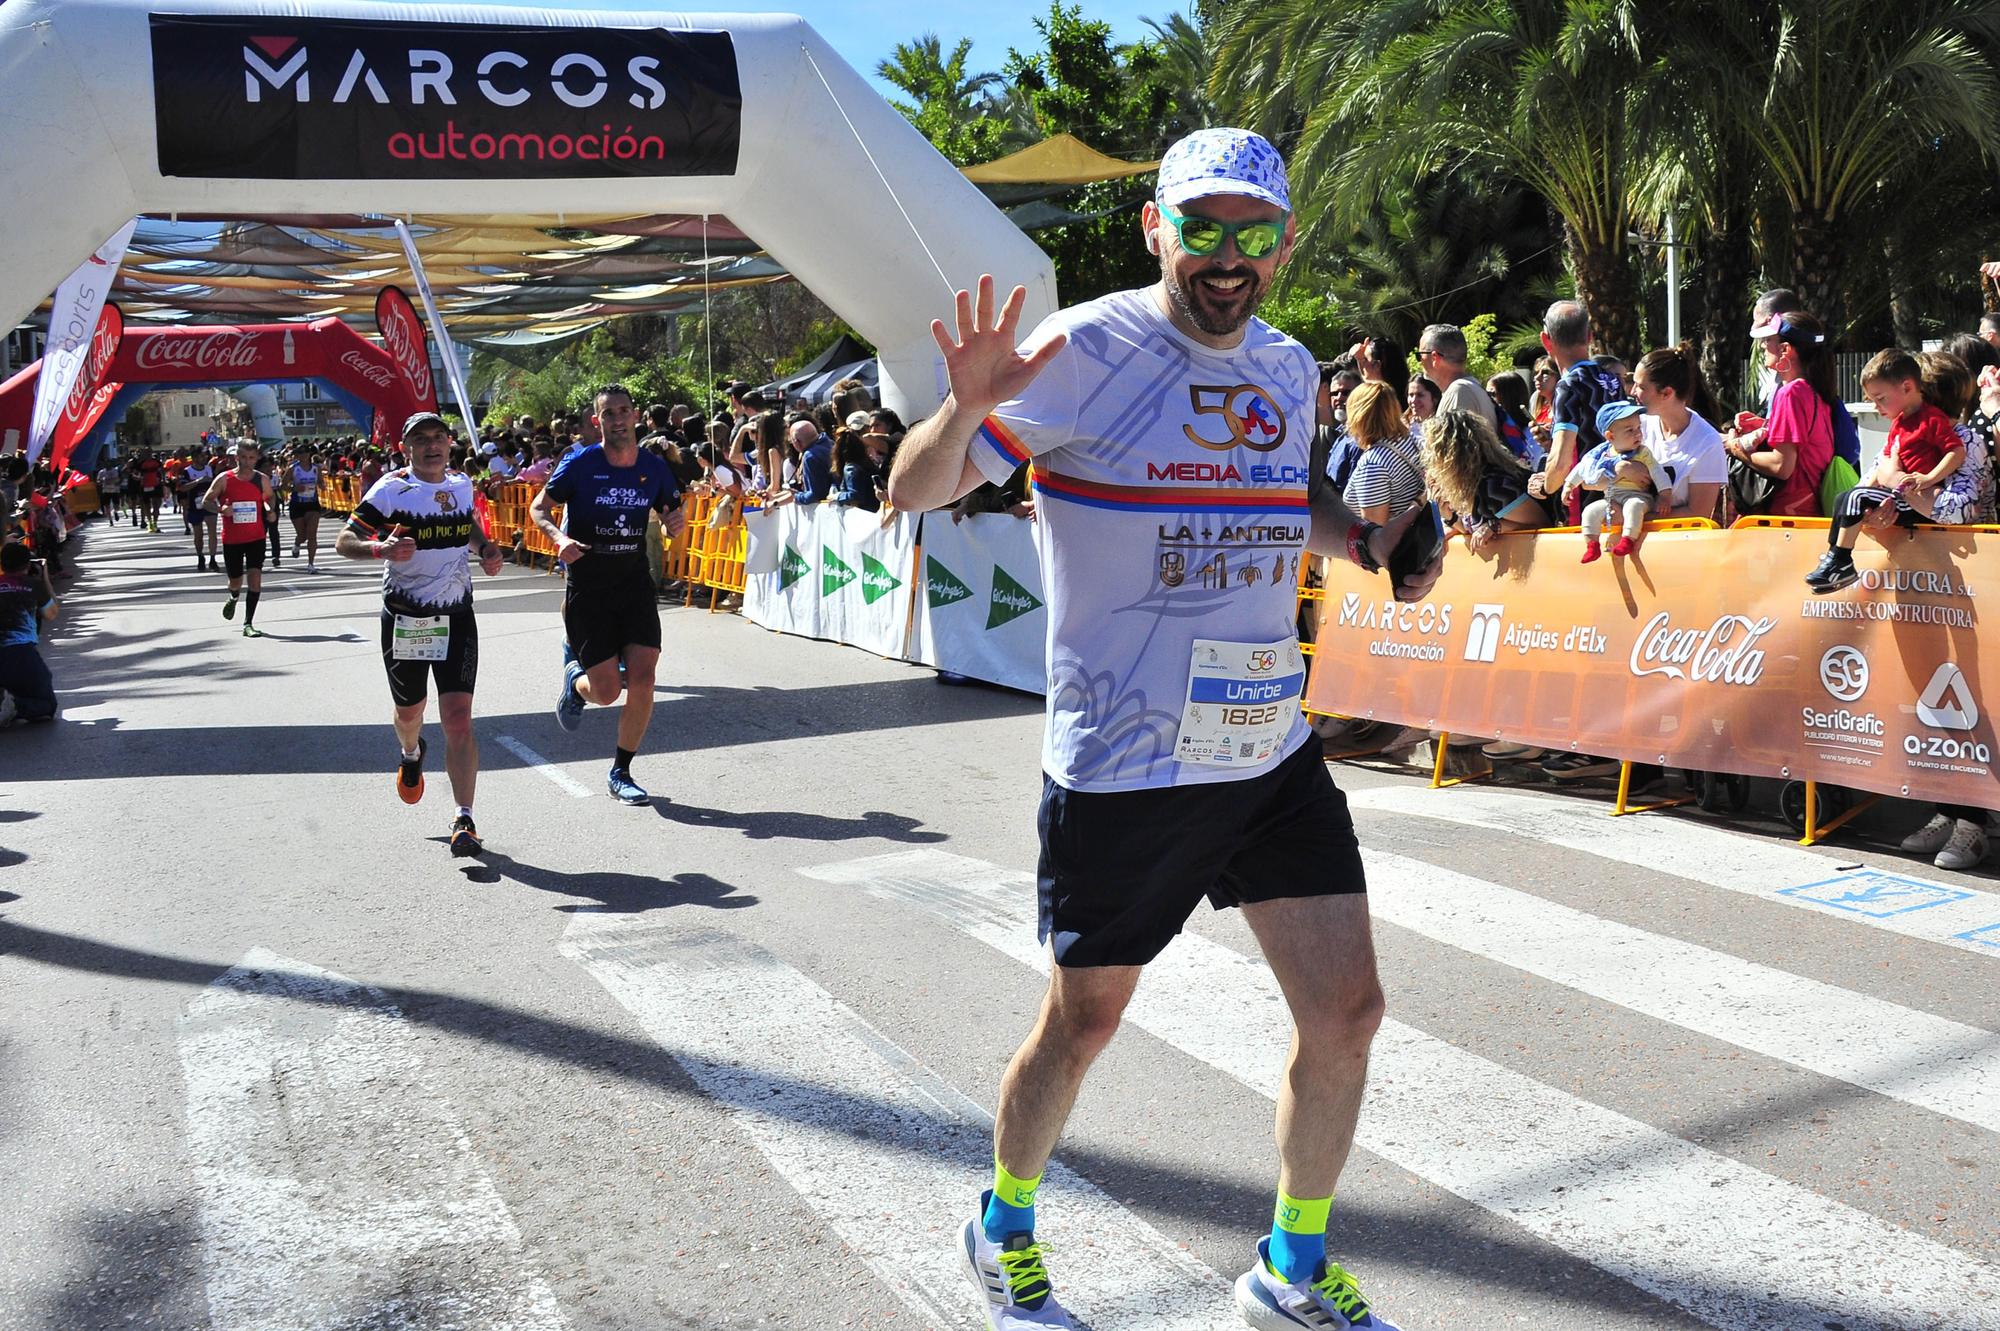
column 611, row 616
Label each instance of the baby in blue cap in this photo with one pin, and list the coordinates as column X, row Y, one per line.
column 1618, row 422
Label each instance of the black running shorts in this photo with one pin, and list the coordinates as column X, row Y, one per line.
column 1121, row 871
column 247, row 554
column 601, row 622
column 409, row 681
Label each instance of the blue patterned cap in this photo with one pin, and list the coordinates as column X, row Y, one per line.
column 1222, row 161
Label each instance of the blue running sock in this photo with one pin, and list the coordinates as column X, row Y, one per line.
column 1298, row 1237
column 1010, row 1207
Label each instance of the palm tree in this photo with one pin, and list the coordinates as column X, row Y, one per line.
column 1549, row 92
column 963, row 114
column 1845, row 96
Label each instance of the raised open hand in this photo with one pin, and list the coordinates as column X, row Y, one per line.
column 984, row 363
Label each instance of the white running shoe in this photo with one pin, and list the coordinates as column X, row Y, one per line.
column 1966, row 849
column 1329, row 1302
column 1010, row 1276
column 1930, row 838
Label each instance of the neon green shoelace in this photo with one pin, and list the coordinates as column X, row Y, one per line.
column 1338, row 1288
column 1027, row 1276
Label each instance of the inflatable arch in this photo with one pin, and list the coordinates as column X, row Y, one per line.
column 377, row 389
column 109, row 110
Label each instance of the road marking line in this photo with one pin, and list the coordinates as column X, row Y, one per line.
column 1944, row 1066
column 827, row 1100
column 332, row 1178
column 537, row 763
column 1788, row 875
column 1734, row 1246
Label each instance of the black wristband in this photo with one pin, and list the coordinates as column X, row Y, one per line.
column 1358, row 552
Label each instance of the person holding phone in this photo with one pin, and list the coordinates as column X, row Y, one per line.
column 1170, row 431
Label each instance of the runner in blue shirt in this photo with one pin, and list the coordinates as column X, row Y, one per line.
column 1169, row 433
column 611, row 615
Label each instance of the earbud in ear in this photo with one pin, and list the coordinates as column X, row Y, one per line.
column 1152, row 242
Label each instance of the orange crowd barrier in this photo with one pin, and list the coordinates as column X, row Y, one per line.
column 1704, row 650
column 711, row 555
column 339, row 494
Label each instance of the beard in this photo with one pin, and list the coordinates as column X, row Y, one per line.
column 1212, row 312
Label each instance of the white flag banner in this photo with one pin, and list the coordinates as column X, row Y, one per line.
column 72, row 323
column 839, row 575
column 982, row 613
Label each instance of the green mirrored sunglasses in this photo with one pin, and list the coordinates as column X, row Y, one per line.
column 1204, row 235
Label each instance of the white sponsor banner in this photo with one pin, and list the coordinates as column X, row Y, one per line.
column 982, row 611
column 72, row 323
column 840, row 575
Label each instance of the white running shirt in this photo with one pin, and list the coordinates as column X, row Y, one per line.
column 1170, row 482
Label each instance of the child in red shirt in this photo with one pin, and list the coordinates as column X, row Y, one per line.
column 1924, row 450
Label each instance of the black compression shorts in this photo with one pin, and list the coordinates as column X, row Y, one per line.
column 601, row 622
column 1121, row 871
column 409, row 681
column 246, row 554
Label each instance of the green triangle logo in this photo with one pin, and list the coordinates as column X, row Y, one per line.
column 1010, row 600
column 833, row 575
column 876, row 581
column 941, row 586
column 791, row 568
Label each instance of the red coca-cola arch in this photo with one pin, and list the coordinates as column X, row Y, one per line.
column 325, row 350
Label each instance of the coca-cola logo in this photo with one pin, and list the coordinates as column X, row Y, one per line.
column 206, row 351
column 103, row 346
column 1726, row 652
column 374, row 371
column 404, row 342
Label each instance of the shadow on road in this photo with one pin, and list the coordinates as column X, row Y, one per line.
column 626, row 893
column 803, row 826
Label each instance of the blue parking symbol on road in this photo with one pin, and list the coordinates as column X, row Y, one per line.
column 1876, row 895
column 1986, row 935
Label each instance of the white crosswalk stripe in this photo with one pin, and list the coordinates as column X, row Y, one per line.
column 330, row 1174
column 1944, row 1066
column 1769, row 871
column 830, row 1102
column 1737, row 1248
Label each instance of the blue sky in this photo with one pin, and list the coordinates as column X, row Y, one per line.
column 864, row 30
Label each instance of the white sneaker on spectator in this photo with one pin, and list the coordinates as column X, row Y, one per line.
column 1966, row 849
column 7, row 712
column 1930, row 838
column 1514, row 749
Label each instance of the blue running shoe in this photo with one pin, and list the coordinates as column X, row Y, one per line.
column 624, row 789
column 569, row 703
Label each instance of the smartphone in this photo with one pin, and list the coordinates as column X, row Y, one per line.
column 1420, row 544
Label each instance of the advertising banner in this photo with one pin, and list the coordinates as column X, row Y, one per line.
column 1703, row 650
column 982, row 614
column 449, row 353
column 403, row 339
column 93, row 389
column 77, row 329
column 296, row 98
column 840, row 575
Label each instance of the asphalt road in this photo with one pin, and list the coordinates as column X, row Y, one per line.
column 270, row 1058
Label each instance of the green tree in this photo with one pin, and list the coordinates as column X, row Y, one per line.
column 1437, row 251
column 1549, row 92
column 1845, row 97
column 1126, row 101
column 963, row 114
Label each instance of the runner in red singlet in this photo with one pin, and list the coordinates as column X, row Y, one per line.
column 244, row 497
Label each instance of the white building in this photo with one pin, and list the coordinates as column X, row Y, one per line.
column 188, row 413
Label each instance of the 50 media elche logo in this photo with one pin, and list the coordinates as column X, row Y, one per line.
column 1242, row 415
